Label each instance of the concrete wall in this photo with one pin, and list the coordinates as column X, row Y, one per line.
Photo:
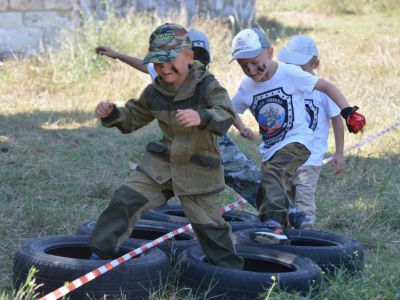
column 28, row 26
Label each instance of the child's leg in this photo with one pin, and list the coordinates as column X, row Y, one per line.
column 272, row 200
column 240, row 173
column 213, row 233
column 129, row 202
column 305, row 182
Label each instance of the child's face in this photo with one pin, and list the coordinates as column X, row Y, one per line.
column 176, row 71
column 310, row 66
column 257, row 68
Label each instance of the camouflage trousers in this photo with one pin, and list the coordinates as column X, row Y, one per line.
column 241, row 174
column 272, row 199
column 142, row 193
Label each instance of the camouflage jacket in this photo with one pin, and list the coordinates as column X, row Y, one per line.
column 189, row 156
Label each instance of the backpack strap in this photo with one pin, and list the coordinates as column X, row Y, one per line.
column 201, row 89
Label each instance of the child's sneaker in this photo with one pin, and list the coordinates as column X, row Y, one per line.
column 300, row 220
column 270, row 232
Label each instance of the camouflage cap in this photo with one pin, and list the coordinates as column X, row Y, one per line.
column 165, row 43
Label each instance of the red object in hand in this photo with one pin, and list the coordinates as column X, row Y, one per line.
column 354, row 121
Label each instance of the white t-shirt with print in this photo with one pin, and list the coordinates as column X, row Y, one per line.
column 278, row 106
column 320, row 109
column 152, row 72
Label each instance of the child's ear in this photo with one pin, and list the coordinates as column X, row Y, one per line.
column 270, row 52
column 316, row 64
column 190, row 55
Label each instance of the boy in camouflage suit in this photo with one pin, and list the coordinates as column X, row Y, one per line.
column 240, row 173
column 185, row 162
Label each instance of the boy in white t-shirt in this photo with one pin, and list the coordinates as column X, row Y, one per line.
column 321, row 110
column 274, row 93
column 240, row 173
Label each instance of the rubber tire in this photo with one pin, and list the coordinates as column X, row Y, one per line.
column 65, row 258
column 329, row 250
column 173, row 213
column 293, row 273
column 149, row 230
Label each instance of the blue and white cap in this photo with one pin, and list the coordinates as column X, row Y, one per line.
column 198, row 39
column 200, row 46
column 249, row 43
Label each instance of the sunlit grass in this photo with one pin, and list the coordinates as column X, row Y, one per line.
column 58, row 166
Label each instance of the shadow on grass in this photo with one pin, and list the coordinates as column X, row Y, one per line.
column 63, row 155
column 276, row 31
column 41, row 129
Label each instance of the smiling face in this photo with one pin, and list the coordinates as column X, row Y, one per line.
column 176, row 71
column 258, row 68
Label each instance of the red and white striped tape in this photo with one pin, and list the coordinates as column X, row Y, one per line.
column 367, row 140
column 62, row 291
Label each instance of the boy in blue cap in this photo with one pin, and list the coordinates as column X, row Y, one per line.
column 186, row 162
column 274, row 93
column 240, row 173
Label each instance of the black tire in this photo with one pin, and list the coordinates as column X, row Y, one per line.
column 65, row 258
column 149, row 230
column 292, row 273
column 329, row 250
column 173, row 213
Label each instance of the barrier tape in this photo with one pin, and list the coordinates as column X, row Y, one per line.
column 62, row 291
column 367, row 140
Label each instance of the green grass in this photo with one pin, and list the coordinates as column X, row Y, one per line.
column 58, row 166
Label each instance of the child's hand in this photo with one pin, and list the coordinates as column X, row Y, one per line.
column 103, row 50
column 247, row 133
column 339, row 162
column 188, row 118
column 103, row 109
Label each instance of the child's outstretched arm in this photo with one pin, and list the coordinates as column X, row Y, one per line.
column 354, row 121
column 333, row 92
column 338, row 131
column 244, row 131
column 134, row 115
column 134, row 62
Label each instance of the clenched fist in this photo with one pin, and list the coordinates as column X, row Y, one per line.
column 103, row 109
column 187, row 118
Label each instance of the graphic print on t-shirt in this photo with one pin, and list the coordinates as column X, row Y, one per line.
column 312, row 114
column 273, row 111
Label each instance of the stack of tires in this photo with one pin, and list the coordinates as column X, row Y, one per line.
column 294, row 267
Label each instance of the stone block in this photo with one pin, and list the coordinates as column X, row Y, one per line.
column 25, row 5
column 21, row 40
column 3, row 5
column 58, row 4
column 47, row 19
column 10, row 19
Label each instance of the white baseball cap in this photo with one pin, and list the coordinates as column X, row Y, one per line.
column 249, row 43
column 299, row 50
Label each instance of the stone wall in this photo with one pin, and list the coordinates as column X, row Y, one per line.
column 28, row 26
